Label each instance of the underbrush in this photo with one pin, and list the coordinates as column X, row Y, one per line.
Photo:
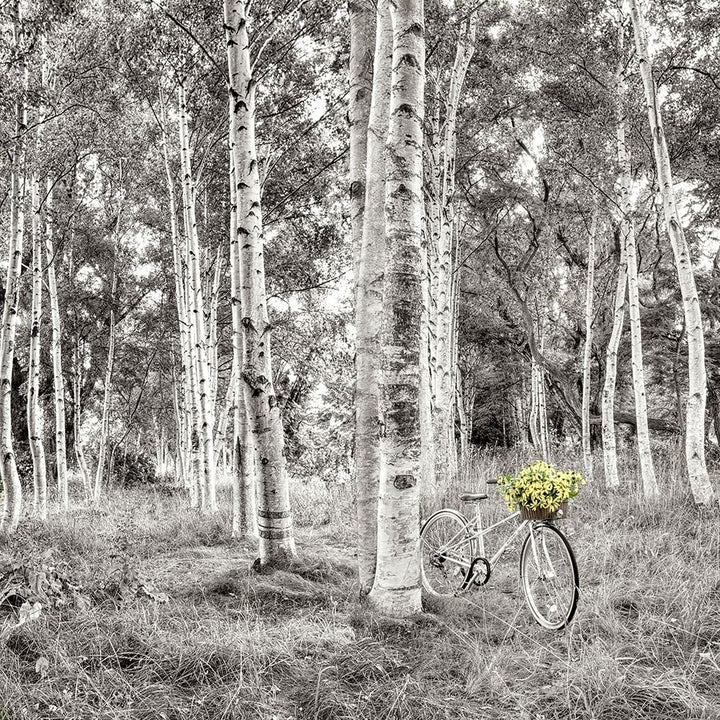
column 149, row 610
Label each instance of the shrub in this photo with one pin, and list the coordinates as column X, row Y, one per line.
column 134, row 469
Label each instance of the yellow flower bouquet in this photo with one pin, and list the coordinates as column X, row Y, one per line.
column 540, row 490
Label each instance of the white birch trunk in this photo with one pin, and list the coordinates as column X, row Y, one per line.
column 458, row 411
column 34, row 411
column 537, row 416
column 612, row 479
column 212, row 342
column 587, row 352
column 608, row 394
column 538, row 412
column 223, row 418
column 181, row 455
column 78, row 358
column 396, row 588
column 12, row 489
column 465, row 426
column 647, row 467
column 534, row 417
column 275, row 526
column 190, row 394
column 362, row 44
column 244, row 507
column 433, row 172
column 369, row 307
column 56, row 352
column 522, row 411
column 245, row 520
column 105, row 416
column 697, row 380
column 443, row 390
column 196, row 306
column 542, row 415
column 55, row 323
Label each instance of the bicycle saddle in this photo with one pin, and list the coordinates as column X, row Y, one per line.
column 472, row 497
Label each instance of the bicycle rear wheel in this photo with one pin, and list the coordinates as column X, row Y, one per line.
column 447, row 548
column 549, row 576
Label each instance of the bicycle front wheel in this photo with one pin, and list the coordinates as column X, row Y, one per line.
column 447, row 550
column 549, row 576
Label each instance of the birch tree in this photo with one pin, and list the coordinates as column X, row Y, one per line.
column 396, row 588
column 34, row 411
column 212, row 341
column 191, row 419
column 12, row 489
column 369, row 303
column 647, row 468
column 275, row 526
column 611, row 360
column 587, row 351
column 107, row 385
column 362, row 45
column 181, row 449
column 196, row 307
column 607, row 405
column 697, row 382
column 244, row 516
column 54, row 304
column 442, row 220
column 628, row 240
column 56, row 353
column 82, row 464
column 538, row 411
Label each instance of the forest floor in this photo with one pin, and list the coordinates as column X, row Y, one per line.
column 151, row 611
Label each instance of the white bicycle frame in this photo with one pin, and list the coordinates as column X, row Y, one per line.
column 480, row 532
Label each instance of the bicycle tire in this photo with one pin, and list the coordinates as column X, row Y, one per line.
column 447, row 550
column 549, row 578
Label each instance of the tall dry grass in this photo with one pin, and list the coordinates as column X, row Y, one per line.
column 149, row 610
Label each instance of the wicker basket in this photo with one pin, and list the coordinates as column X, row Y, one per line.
column 544, row 513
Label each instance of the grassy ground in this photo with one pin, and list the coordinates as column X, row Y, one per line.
column 152, row 612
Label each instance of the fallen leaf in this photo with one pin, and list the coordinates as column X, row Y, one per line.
column 42, row 666
column 159, row 597
column 29, row 612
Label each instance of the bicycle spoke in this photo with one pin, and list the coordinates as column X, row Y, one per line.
column 549, row 576
column 446, row 553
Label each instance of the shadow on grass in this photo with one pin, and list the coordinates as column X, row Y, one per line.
column 303, row 584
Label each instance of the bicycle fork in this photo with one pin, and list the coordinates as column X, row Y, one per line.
column 541, row 557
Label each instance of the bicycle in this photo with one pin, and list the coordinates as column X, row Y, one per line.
column 453, row 560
